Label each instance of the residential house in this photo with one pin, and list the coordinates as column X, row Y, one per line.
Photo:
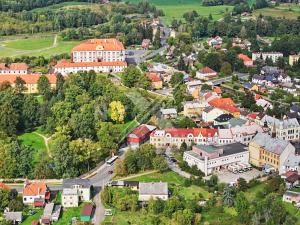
column 290, row 88
column 51, row 213
column 146, row 43
column 246, row 60
column 193, row 109
column 215, row 42
column 140, row 135
column 210, row 113
column 14, row 217
column 295, row 109
column 206, row 73
column 267, row 151
column 286, row 129
column 31, row 81
column 153, row 190
column 75, row 191
column 291, row 197
column 243, row 44
column 258, row 79
column 217, row 90
column 35, row 193
column 264, row 55
column 170, row 113
column 293, row 59
column 87, row 213
column 226, row 105
column 133, row 185
column 223, row 119
column 264, row 104
column 210, row 159
column 291, row 179
column 13, row 69
column 155, row 79
column 193, row 85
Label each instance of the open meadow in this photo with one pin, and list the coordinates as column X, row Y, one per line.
column 288, row 11
column 174, row 9
column 46, row 46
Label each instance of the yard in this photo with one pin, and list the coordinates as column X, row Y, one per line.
column 28, row 219
column 174, row 9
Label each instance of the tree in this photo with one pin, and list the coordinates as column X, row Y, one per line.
column 226, row 69
column 183, row 217
column 183, row 147
column 9, row 119
column 176, row 79
column 242, row 207
column 4, row 199
column 59, row 86
column 43, row 86
column 120, row 169
column 130, row 76
column 108, row 137
column 156, row 206
column 30, row 112
column 213, row 61
column 181, row 64
column 106, row 195
column 20, row 85
column 16, row 205
column 242, row 184
column 228, row 196
column 157, row 42
column 159, row 163
column 206, row 87
column 117, row 111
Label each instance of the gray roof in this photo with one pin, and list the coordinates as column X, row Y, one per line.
column 168, row 111
column 229, row 149
column 69, row 183
column 270, row 144
column 282, row 124
column 13, row 216
column 69, row 191
column 153, row 188
column 48, row 210
column 236, row 122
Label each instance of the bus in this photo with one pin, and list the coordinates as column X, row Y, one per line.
column 112, row 160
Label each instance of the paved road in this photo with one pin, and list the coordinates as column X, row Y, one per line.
column 241, row 76
column 173, row 166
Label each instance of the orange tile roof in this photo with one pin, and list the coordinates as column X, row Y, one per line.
column 245, row 58
column 110, row 44
column 14, row 66
column 225, row 104
column 153, row 77
column 66, row 63
column 207, row 70
column 33, row 189
column 218, row 90
column 4, row 186
column 28, row 78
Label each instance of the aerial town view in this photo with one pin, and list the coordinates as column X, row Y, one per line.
column 150, row 112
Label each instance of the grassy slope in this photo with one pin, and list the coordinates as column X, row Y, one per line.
column 30, row 44
column 59, row 6
column 289, row 11
column 176, row 8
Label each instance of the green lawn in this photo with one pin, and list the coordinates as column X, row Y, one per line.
column 251, row 192
column 35, row 46
column 35, row 141
column 194, row 191
column 292, row 210
column 170, row 177
column 176, row 8
column 68, row 214
column 289, row 11
column 60, row 6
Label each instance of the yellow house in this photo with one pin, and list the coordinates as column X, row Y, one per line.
column 254, row 88
column 192, row 109
column 293, row 59
column 156, row 81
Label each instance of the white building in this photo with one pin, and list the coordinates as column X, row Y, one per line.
column 210, row 114
column 210, row 159
column 154, row 190
column 14, row 68
column 75, row 191
column 264, row 55
column 193, row 85
column 286, row 129
column 100, row 55
column 99, row 50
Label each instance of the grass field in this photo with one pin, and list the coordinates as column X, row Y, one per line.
column 174, row 9
column 28, row 219
column 61, row 6
column 35, row 141
column 35, row 46
column 289, row 11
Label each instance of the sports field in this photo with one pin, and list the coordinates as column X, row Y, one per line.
column 289, row 11
column 174, row 9
column 35, row 46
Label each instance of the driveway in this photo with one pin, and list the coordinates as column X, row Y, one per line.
column 228, row 177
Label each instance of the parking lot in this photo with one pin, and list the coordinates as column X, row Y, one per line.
column 229, row 177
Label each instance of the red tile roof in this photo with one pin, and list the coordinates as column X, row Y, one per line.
column 28, row 78
column 257, row 96
column 140, row 131
column 206, row 70
column 218, row 90
column 153, row 77
column 87, row 210
column 66, row 63
column 245, row 58
column 14, row 66
column 110, row 44
column 4, row 186
column 225, row 104
column 34, row 189
column 252, row 116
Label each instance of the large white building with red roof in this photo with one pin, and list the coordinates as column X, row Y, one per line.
column 14, row 69
column 206, row 73
column 100, row 55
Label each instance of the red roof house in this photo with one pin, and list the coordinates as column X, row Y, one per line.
column 140, row 135
column 246, row 60
column 36, row 193
column 206, row 73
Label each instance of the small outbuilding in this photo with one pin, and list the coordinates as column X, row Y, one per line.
column 87, row 212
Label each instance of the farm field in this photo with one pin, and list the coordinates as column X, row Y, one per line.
column 289, row 11
column 35, row 46
column 174, row 9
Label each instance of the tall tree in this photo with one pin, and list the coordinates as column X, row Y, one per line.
column 43, row 86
